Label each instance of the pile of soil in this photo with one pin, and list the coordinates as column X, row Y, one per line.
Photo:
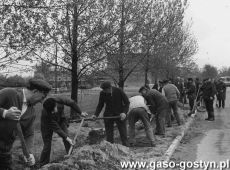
column 101, row 156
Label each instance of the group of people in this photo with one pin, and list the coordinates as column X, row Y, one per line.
column 160, row 103
column 148, row 104
column 195, row 91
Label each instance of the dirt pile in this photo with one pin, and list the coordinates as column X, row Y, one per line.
column 101, row 156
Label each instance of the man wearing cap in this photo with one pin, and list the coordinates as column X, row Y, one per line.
column 16, row 105
column 117, row 104
column 158, row 105
column 208, row 92
column 172, row 94
column 53, row 119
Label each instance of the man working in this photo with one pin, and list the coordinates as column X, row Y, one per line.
column 117, row 104
column 16, row 105
column 138, row 110
column 172, row 94
column 158, row 105
column 208, row 92
column 54, row 120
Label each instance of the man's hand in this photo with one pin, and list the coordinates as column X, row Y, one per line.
column 70, row 141
column 211, row 98
column 123, row 116
column 30, row 161
column 93, row 117
column 84, row 114
column 12, row 113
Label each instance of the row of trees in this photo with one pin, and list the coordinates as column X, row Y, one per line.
column 84, row 36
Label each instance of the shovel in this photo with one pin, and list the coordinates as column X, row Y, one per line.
column 93, row 119
column 75, row 138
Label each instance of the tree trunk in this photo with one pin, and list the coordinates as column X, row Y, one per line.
column 121, row 48
column 74, row 73
column 147, row 70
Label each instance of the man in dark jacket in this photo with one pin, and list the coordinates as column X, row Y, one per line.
column 16, row 105
column 221, row 93
column 208, row 92
column 53, row 119
column 191, row 93
column 158, row 105
column 117, row 104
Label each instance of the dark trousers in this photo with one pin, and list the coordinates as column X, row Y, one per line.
column 191, row 103
column 5, row 161
column 140, row 114
column 173, row 107
column 109, row 128
column 47, row 140
column 160, row 121
column 209, row 108
column 221, row 103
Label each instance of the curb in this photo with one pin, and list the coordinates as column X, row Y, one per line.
column 168, row 154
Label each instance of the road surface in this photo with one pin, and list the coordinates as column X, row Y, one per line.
column 214, row 143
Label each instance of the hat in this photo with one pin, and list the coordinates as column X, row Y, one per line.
column 105, row 85
column 49, row 104
column 143, row 88
column 39, row 84
column 190, row 79
column 165, row 81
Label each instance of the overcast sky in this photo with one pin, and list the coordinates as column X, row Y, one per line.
column 211, row 26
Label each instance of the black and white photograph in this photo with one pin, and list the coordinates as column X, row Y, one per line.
column 114, row 84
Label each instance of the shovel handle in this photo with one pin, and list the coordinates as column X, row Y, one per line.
column 75, row 137
column 97, row 118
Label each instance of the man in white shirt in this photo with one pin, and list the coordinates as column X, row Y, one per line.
column 138, row 110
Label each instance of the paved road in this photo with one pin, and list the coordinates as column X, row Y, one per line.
column 215, row 145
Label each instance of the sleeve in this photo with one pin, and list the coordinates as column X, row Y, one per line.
column 28, row 132
column 68, row 102
column 151, row 104
column 125, row 102
column 56, row 127
column 100, row 104
column 4, row 100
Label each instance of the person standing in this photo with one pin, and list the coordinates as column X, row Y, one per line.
column 53, row 119
column 208, row 92
column 158, row 105
column 117, row 104
column 221, row 93
column 16, row 106
column 138, row 110
column 172, row 94
column 191, row 94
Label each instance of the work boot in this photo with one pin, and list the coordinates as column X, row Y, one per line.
column 207, row 118
column 211, row 119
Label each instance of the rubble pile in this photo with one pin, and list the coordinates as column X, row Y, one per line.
column 101, row 156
